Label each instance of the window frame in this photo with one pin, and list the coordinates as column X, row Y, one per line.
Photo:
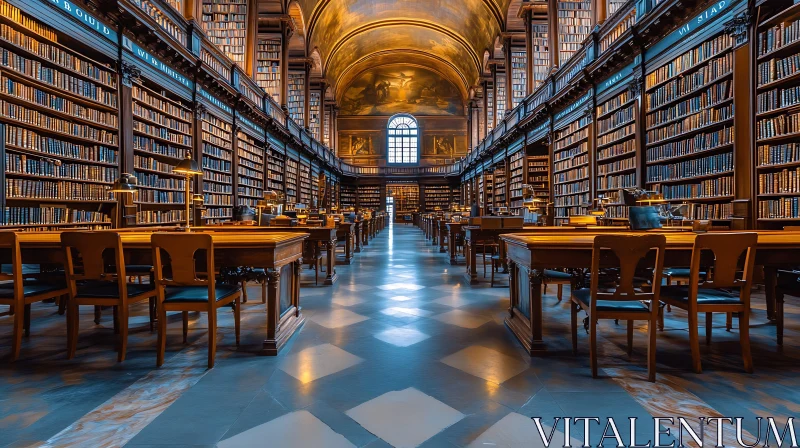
column 389, row 136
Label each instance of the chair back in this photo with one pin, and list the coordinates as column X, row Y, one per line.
column 85, row 258
column 727, row 248
column 181, row 249
column 9, row 242
column 629, row 250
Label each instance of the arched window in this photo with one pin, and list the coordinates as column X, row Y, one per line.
column 403, row 141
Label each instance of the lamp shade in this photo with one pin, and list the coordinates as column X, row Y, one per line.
column 188, row 166
column 126, row 183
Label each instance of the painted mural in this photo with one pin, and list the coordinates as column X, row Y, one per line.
column 357, row 145
column 443, row 146
column 396, row 89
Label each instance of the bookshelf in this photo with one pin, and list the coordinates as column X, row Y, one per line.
column 326, row 129
column 315, row 114
column 490, row 115
column 347, row 196
column 689, row 128
column 250, row 170
column 519, row 63
column 500, row 96
column 291, row 181
column 541, row 53
column 162, row 132
column 574, row 25
column 304, row 184
column 571, row 184
column 274, row 160
column 500, row 181
column 59, row 109
column 778, row 117
column 297, row 92
column 516, row 178
column 485, row 192
column 217, row 164
column 539, row 176
column 268, row 66
column 615, row 149
column 225, row 23
column 369, row 197
column 614, row 6
column 163, row 20
column 316, row 200
column 406, row 197
column 437, row 196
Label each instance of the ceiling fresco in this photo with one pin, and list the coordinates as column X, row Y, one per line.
column 401, row 88
column 448, row 36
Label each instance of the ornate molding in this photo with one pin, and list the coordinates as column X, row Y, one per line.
column 738, row 27
column 636, row 85
column 200, row 110
column 130, row 74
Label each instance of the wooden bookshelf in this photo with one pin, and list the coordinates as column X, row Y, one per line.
column 490, row 114
column 369, row 197
column 268, row 66
column 485, row 192
column 541, row 53
column 61, row 142
column 574, row 25
column 519, row 82
column 406, row 197
column 777, row 130
column 689, row 127
column 250, row 170
column 315, row 114
column 437, row 196
column 304, row 183
column 616, row 151
column 538, row 176
column 225, row 23
column 499, row 95
column 217, row 168
column 291, row 181
column 163, row 20
column 274, row 160
column 162, row 133
column 571, row 180
column 316, row 200
column 297, row 94
column 347, row 196
column 500, row 183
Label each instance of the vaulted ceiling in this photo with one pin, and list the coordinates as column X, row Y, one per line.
column 449, row 37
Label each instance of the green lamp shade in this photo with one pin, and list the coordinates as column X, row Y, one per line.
column 188, row 166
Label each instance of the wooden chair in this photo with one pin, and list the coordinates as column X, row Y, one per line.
column 92, row 282
column 559, row 278
column 21, row 293
column 715, row 296
column 181, row 288
column 624, row 301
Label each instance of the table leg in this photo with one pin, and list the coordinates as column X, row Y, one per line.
column 348, row 247
column 502, row 253
column 472, row 262
column 441, row 241
column 535, row 278
column 451, row 243
column 331, row 266
column 770, row 283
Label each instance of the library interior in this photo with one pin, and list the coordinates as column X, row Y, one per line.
column 377, row 219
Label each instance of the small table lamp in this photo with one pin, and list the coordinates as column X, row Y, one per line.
column 127, row 184
column 188, row 167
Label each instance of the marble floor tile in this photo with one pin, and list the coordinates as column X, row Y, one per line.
column 347, row 300
column 355, row 287
column 401, row 287
column 405, row 418
column 402, row 337
column 401, row 298
column 453, row 301
column 486, row 363
column 399, row 310
column 337, row 318
column 299, row 429
column 462, row 319
column 314, row 363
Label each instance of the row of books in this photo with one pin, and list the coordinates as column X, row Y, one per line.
column 621, row 133
column 777, row 126
column 160, row 196
column 718, row 163
column 571, row 162
column 778, row 36
column 166, row 24
column 692, row 145
column 778, row 154
column 52, row 124
column 776, row 69
column 622, row 148
column 162, row 133
column 681, row 86
column 707, row 188
column 145, row 144
column 618, row 118
column 149, row 163
column 616, row 181
column 709, row 97
column 616, row 165
column 12, row 12
column 786, row 180
column 778, row 98
column 689, row 60
column 50, row 215
column 572, row 135
column 22, row 138
column 36, row 166
column 61, row 190
column 160, row 216
column 151, row 180
column 783, row 208
column 707, row 117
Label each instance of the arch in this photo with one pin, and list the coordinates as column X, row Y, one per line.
column 402, row 140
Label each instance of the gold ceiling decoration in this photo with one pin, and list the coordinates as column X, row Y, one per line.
column 449, row 37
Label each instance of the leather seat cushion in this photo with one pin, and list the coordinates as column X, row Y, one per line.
column 31, row 288
column 194, row 294
column 556, row 275
column 102, row 289
column 704, row 296
column 584, row 296
column 681, row 272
